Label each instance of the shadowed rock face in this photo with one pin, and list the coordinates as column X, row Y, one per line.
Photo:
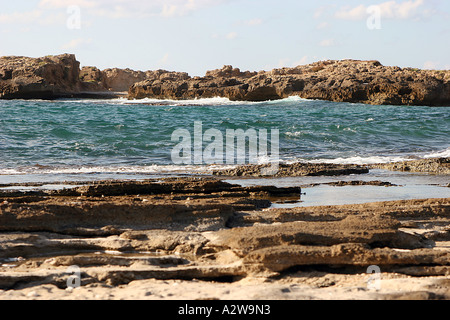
column 60, row 76
column 47, row 77
column 344, row 81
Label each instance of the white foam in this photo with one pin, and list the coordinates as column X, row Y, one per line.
column 360, row 160
column 378, row 159
column 440, row 154
column 294, row 134
column 216, row 101
column 354, row 160
column 152, row 169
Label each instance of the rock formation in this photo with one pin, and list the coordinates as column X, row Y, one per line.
column 127, row 234
column 47, row 77
column 433, row 166
column 60, row 76
column 120, row 80
column 345, row 81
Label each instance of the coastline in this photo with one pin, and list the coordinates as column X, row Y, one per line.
column 223, row 232
column 354, row 81
column 210, row 237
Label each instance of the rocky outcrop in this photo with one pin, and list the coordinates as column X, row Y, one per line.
column 123, row 234
column 297, row 169
column 345, row 81
column 433, row 166
column 120, row 80
column 47, row 77
column 92, row 79
column 60, row 76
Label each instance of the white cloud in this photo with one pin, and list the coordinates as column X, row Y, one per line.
column 231, row 35
column 431, row 65
column 21, row 17
column 388, row 10
column 164, row 59
column 322, row 25
column 302, row 61
column 254, row 22
column 76, row 44
column 283, row 63
column 289, row 63
column 58, row 4
column 136, row 8
column 175, row 8
column 323, row 11
column 328, row 43
column 357, row 13
column 51, row 11
column 54, row 12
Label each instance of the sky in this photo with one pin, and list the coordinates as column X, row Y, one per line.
column 199, row 35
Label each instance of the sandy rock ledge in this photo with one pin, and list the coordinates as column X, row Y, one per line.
column 207, row 239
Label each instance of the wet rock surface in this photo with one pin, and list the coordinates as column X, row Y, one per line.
column 212, row 239
column 434, row 166
column 297, row 169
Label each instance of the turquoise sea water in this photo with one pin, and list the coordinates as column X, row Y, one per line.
column 101, row 136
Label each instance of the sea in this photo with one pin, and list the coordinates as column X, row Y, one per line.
column 90, row 139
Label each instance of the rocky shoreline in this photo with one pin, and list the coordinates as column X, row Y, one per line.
column 433, row 166
column 355, row 81
column 204, row 238
column 301, row 169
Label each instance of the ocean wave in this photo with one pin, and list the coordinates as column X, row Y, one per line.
column 216, row 101
column 439, row 154
column 379, row 159
column 204, row 169
column 152, row 169
column 361, row 160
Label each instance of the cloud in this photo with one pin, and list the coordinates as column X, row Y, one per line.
column 55, row 12
column 304, row 60
column 322, row 25
column 357, row 13
column 388, row 10
column 21, row 17
column 254, row 22
column 164, row 59
column 289, row 63
column 430, row 65
column 328, row 43
column 58, row 4
column 435, row 65
column 283, row 63
column 231, row 35
column 323, row 10
column 117, row 9
column 76, row 44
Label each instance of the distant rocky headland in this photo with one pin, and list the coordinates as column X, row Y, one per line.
column 354, row 81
